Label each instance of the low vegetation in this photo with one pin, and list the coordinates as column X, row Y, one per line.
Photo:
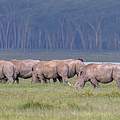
column 28, row 101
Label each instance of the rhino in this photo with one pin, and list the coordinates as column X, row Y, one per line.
column 98, row 73
column 74, row 66
column 56, row 69
column 8, row 72
column 24, row 68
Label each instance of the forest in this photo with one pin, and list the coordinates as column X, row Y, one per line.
column 65, row 24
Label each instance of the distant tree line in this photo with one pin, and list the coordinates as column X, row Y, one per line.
column 103, row 33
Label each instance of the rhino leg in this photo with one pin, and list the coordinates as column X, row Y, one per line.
column 94, row 82
column 60, row 79
column 63, row 76
column 3, row 80
column 65, row 79
column 16, row 80
column 35, row 78
column 10, row 79
column 80, row 84
column 27, row 75
column 44, row 80
column 54, row 80
column 48, row 80
column 116, row 77
column 118, row 83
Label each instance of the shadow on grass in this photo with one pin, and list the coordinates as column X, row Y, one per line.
column 94, row 93
column 45, row 106
column 111, row 94
column 32, row 105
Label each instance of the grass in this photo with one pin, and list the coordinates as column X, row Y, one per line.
column 28, row 101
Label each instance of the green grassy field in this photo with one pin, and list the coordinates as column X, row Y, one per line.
column 28, row 101
column 51, row 101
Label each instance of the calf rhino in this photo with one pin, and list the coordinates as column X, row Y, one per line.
column 98, row 73
column 24, row 68
column 56, row 69
column 7, row 72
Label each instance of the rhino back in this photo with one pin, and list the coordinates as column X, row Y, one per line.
column 101, row 72
column 24, row 66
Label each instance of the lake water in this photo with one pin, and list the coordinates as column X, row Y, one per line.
column 63, row 54
column 102, row 62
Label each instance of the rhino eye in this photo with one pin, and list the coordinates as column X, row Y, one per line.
column 81, row 72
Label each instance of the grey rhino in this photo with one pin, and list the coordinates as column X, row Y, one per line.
column 7, row 72
column 74, row 66
column 24, row 68
column 98, row 73
column 56, row 69
column 45, row 70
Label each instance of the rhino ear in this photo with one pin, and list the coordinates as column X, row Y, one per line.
column 81, row 59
